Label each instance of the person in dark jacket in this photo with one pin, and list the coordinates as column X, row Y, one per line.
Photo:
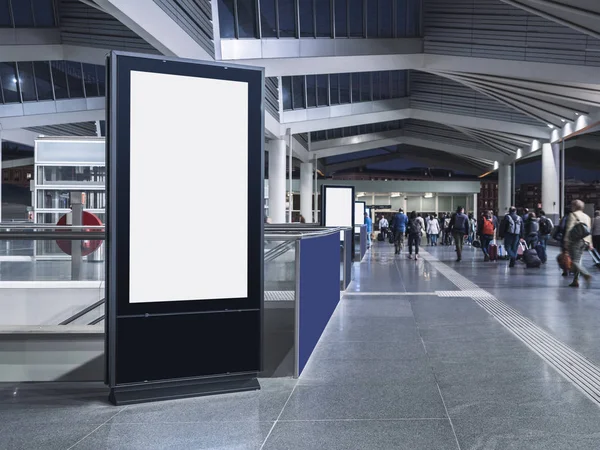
column 398, row 226
column 459, row 225
column 532, row 231
column 414, row 231
column 511, row 230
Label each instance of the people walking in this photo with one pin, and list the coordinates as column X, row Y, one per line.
column 485, row 231
column 414, row 231
column 545, row 231
column 383, row 226
column 511, row 230
column 596, row 230
column 459, row 227
column 532, row 230
column 472, row 228
column 577, row 238
column 369, row 224
column 428, row 219
column 398, row 226
column 433, row 230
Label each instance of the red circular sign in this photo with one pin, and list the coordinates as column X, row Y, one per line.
column 87, row 247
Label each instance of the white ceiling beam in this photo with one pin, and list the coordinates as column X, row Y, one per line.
column 13, row 163
column 152, row 24
column 19, row 136
column 24, row 115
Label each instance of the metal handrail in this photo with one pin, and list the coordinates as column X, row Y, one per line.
column 83, row 312
column 51, row 227
column 47, row 235
column 279, row 250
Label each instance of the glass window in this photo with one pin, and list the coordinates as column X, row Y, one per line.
column 5, row 20
column 287, row 18
column 43, row 13
column 75, row 79
column 402, row 88
column 91, row 80
column 413, row 18
column 59, row 75
column 311, row 91
column 376, row 86
column 43, row 80
column 334, row 88
column 355, row 87
column 341, row 18
column 323, row 12
column 10, row 87
column 307, row 26
column 286, row 85
column 27, row 81
column 101, row 85
column 22, row 13
column 365, row 87
column 395, row 84
column 322, row 90
column 371, row 18
column 344, row 88
column 246, row 19
column 356, row 18
column 401, row 18
column 385, row 85
column 386, row 14
column 298, row 85
column 268, row 19
column 226, row 22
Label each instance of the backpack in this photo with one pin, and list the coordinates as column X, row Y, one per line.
column 414, row 226
column 545, row 227
column 507, row 226
column 579, row 231
column 488, row 227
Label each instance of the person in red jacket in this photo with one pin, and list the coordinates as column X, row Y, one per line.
column 485, row 231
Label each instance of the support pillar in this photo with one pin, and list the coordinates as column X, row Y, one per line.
column 277, row 180
column 306, row 173
column 316, row 201
column 437, row 204
column 1, row 176
column 550, row 181
column 504, row 189
column 475, row 207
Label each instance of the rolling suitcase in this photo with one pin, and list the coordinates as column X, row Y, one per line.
column 380, row 237
column 391, row 238
column 541, row 251
column 595, row 256
column 493, row 252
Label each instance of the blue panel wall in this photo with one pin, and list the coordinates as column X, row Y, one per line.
column 349, row 258
column 363, row 241
column 319, row 291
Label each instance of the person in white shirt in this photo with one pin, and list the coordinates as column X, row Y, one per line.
column 383, row 226
column 433, row 230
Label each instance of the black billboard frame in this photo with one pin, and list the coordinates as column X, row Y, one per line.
column 324, row 188
column 176, row 349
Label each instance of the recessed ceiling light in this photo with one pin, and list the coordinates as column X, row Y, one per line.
column 563, row 120
column 550, row 125
column 576, row 114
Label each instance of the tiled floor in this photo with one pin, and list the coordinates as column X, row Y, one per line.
column 398, row 367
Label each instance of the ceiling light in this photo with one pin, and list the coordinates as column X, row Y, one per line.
column 563, row 120
column 519, row 153
column 550, row 125
column 428, row 195
column 395, row 194
column 361, row 194
column 576, row 114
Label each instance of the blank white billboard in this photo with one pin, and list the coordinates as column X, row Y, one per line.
column 339, row 204
column 182, row 130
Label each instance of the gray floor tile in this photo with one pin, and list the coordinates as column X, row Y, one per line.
column 364, row 371
column 363, row 435
column 379, row 329
column 448, row 312
column 46, row 436
column 352, row 350
column 365, row 401
column 505, row 398
column 375, row 307
column 532, row 433
column 178, row 436
column 262, row 405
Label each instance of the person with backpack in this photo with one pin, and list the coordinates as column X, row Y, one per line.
column 485, row 231
column 511, row 230
column 459, row 226
column 414, row 231
column 433, row 230
column 398, row 226
column 546, row 227
column 578, row 238
column 532, row 230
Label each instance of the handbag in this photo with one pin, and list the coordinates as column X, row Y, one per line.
column 564, row 261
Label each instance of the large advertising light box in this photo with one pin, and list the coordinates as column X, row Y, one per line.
column 184, row 308
column 359, row 215
column 338, row 207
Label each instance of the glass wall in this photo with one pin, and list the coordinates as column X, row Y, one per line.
column 49, row 80
column 27, row 13
column 319, row 18
column 338, row 133
column 343, row 88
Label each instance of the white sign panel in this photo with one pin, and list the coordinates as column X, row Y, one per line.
column 182, row 128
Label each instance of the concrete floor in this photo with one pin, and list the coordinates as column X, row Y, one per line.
column 405, row 363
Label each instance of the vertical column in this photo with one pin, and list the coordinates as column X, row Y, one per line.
column 550, row 181
column 316, row 216
column 504, row 189
column 277, row 180
column 437, row 203
column 1, row 176
column 475, row 207
column 306, row 171
column 405, row 204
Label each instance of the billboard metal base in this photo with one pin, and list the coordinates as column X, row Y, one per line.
column 171, row 390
